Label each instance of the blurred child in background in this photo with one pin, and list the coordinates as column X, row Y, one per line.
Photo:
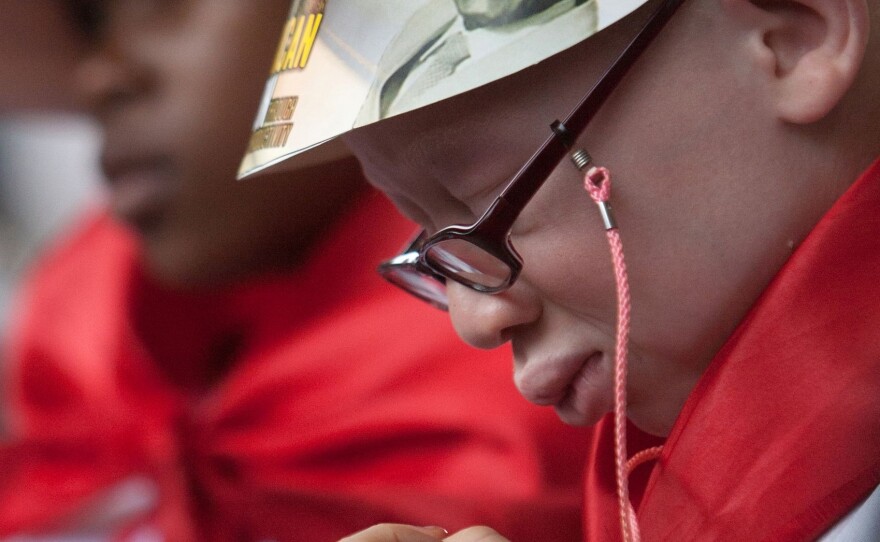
column 212, row 360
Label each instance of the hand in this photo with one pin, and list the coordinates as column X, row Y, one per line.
column 389, row 532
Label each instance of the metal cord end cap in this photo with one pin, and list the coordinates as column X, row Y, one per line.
column 581, row 159
column 607, row 215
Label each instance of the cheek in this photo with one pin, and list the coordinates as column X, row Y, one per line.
column 574, row 273
column 565, row 250
column 568, row 261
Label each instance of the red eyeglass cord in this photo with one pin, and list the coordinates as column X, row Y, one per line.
column 597, row 182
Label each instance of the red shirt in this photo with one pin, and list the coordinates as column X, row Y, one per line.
column 302, row 407
column 781, row 437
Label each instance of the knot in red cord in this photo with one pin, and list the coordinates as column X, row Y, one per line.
column 598, row 183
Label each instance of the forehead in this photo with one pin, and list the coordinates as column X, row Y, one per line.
column 448, row 148
column 472, row 143
column 93, row 16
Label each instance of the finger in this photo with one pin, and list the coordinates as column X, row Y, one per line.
column 476, row 534
column 391, row 532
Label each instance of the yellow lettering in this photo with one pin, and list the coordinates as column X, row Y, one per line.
column 289, row 107
column 308, row 39
column 270, row 137
column 271, row 113
column 297, row 42
column 290, row 60
column 281, row 109
column 284, row 45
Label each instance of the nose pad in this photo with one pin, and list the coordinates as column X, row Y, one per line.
column 488, row 320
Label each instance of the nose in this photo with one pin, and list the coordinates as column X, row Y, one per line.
column 105, row 80
column 486, row 320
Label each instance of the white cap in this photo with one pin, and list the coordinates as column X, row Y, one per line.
column 342, row 64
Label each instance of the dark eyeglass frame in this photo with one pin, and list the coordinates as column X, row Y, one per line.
column 491, row 233
column 406, row 264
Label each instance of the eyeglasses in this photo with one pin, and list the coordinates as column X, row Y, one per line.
column 481, row 256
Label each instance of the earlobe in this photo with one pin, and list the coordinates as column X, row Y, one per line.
column 810, row 51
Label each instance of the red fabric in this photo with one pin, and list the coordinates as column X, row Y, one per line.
column 781, row 437
column 344, row 404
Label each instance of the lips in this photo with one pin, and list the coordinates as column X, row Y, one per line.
column 140, row 185
column 577, row 386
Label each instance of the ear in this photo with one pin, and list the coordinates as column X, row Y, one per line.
column 810, row 51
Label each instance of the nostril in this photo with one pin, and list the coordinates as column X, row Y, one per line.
column 488, row 321
column 474, row 322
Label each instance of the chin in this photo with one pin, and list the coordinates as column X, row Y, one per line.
column 651, row 423
column 174, row 265
column 171, row 276
column 578, row 420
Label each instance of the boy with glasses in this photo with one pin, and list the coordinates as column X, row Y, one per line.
column 741, row 138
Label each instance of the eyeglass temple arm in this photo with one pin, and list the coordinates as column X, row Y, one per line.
column 553, row 150
column 583, row 113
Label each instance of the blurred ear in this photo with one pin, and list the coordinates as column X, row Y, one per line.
column 810, row 51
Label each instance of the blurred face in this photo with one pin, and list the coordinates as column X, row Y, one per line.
column 479, row 13
column 675, row 136
column 175, row 85
column 31, row 29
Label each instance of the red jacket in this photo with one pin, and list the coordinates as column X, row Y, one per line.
column 781, row 437
column 344, row 402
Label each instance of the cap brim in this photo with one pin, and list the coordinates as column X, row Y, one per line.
column 344, row 64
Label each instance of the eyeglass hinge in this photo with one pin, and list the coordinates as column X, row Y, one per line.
column 562, row 133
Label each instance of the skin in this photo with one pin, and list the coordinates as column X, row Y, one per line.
column 406, row 533
column 480, row 13
column 31, row 29
column 175, row 86
column 715, row 182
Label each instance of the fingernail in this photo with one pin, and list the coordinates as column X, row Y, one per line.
column 434, row 530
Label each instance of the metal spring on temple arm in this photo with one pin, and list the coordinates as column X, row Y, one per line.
column 581, row 160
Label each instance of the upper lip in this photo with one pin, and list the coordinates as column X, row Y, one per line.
column 116, row 162
column 546, row 381
column 127, row 146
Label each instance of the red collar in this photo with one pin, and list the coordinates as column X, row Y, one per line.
column 184, row 332
column 781, row 437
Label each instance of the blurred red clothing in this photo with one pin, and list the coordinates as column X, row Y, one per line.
column 781, row 437
column 304, row 407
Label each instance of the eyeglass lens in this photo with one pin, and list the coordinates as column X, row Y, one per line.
column 422, row 285
column 467, row 263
